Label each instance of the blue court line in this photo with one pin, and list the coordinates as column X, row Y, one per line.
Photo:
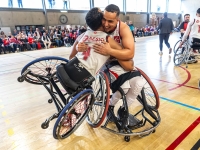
column 179, row 103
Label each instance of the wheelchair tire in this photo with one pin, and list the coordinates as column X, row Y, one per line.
column 180, row 55
column 70, row 117
column 151, row 93
column 177, row 45
column 99, row 109
column 41, row 65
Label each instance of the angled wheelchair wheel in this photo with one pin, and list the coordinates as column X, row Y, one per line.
column 45, row 66
column 73, row 114
column 99, row 109
column 151, row 94
column 176, row 46
column 180, row 55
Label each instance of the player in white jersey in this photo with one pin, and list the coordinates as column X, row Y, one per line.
column 92, row 61
column 193, row 29
column 122, row 34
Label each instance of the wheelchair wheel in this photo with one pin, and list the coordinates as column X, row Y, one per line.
column 44, row 66
column 180, row 55
column 150, row 91
column 176, row 46
column 73, row 114
column 99, row 109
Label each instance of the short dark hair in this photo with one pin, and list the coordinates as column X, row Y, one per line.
column 198, row 11
column 165, row 14
column 113, row 8
column 94, row 18
column 186, row 15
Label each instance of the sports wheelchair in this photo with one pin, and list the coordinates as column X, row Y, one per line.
column 88, row 98
column 185, row 53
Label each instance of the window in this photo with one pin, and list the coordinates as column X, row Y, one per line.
column 136, row 5
column 101, row 4
column 158, row 6
column 119, row 3
column 79, row 4
column 174, row 6
column 54, row 4
column 36, row 4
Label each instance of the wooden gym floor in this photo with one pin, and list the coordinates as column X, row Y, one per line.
column 23, row 107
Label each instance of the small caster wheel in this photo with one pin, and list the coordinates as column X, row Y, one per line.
column 127, row 138
column 20, row 79
column 154, row 131
column 186, row 66
column 44, row 125
column 50, row 101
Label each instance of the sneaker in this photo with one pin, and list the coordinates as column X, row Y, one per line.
column 109, row 115
column 170, row 50
column 160, row 53
column 134, row 122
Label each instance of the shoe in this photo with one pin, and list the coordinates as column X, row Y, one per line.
column 133, row 122
column 170, row 50
column 160, row 53
column 109, row 115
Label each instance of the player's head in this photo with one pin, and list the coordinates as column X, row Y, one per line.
column 94, row 18
column 165, row 14
column 198, row 12
column 110, row 17
column 187, row 17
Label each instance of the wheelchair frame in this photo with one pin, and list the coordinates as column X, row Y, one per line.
column 186, row 53
column 67, row 107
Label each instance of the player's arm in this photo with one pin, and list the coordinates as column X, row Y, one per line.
column 127, row 42
column 126, row 64
column 187, row 32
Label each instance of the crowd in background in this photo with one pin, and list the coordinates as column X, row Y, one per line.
column 54, row 37
column 32, row 40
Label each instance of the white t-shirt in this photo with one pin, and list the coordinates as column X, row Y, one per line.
column 193, row 30
column 92, row 61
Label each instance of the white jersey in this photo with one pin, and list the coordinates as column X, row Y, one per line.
column 92, row 61
column 117, row 70
column 193, row 29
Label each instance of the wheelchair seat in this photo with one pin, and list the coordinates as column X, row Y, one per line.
column 73, row 75
column 195, row 43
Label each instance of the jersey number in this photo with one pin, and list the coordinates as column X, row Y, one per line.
column 86, row 54
column 117, row 39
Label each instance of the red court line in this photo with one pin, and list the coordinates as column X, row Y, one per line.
column 184, row 135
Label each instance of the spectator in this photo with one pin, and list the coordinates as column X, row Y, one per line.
column 65, row 4
column 31, row 42
column 45, row 39
column 50, row 4
column 131, row 26
column 20, row 3
column 2, row 49
column 10, row 3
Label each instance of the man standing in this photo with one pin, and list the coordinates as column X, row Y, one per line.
column 165, row 29
column 65, row 4
column 10, row 3
column 20, row 3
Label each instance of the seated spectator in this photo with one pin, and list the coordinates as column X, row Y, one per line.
column 57, row 39
column 2, row 49
column 7, row 45
column 13, row 43
column 20, row 44
column 31, row 42
column 45, row 39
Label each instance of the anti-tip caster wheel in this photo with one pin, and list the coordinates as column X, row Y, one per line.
column 154, row 131
column 127, row 138
column 20, row 79
column 50, row 101
column 44, row 125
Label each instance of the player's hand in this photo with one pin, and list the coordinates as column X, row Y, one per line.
column 102, row 48
column 81, row 47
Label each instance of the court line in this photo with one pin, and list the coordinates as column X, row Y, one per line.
column 184, row 135
column 179, row 103
column 182, row 84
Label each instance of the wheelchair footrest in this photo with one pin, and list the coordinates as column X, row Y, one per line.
column 134, row 123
